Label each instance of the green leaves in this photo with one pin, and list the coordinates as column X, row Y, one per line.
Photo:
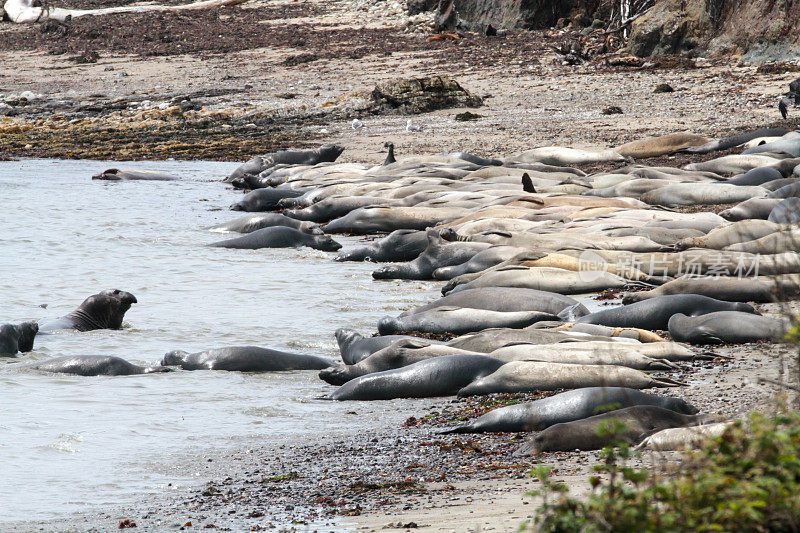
column 746, row 480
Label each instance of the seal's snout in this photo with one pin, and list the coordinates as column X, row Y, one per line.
column 173, row 358
column 237, row 207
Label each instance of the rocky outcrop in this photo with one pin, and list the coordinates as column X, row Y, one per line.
column 516, row 14
column 420, row 95
column 758, row 31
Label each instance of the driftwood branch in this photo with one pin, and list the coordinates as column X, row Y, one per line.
column 30, row 11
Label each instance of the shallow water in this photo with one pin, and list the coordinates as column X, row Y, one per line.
column 71, row 444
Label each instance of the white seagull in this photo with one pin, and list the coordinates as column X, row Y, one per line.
column 356, row 124
column 411, row 127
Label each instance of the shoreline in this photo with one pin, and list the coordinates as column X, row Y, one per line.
column 407, row 473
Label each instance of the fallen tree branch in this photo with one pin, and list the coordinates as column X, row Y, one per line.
column 30, row 11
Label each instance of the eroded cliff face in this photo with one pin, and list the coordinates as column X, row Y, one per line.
column 757, row 30
column 521, row 14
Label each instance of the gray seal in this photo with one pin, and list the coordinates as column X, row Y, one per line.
column 639, row 422
column 440, row 376
column 104, row 310
column 726, row 327
column 265, row 199
column 439, row 253
column 786, row 212
column 94, row 365
column 251, row 223
column 244, row 359
column 17, row 337
column 354, row 347
column 279, row 237
column 400, row 245
column 509, row 299
column 654, row 313
column 115, row 174
column 566, row 407
column 327, row 153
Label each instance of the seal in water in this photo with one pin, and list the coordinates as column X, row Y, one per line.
column 244, row 359
column 115, row 174
column 104, row 310
column 94, row 365
column 251, row 223
column 279, row 237
column 400, row 245
column 265, row 199
column 566, row 407
column 440, row 376
column 726, row 327
column 654, row 313
column 639, row 422
column 17, row 337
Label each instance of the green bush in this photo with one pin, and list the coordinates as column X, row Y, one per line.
column 746, row 480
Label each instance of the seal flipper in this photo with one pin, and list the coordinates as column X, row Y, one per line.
column 527, row 184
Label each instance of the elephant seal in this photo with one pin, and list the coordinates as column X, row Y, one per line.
column 662, row 145
column 508, row 299
column 557, row 280
column 784, row 145
column 93, row 365
column 775, row 243
column 400, row 353
column 655, row 313
column 440, row 376
column 484, row 259
column 115, row 174
column 17, row 337
column 758, row 208
column 279, row 237
column 244, row 359
column 265, row 199
column 104, row 310
column 569, row 353
column 786, row 212
column 790, row 190
column 681, row 194
column 683, row 438
column 638, row 422
column 379, row 219
column 251, row 223
column 527, row 376
column 568, row 406
column 439, row 253
column 742, row 231
column 488, row 340
column 460, row 320
column 354, row 347
column 333, row 207
column 327, row 153
column 400, row 245
column 560, row 156
column 726, row 327
column 480, row 161
column 735, row 140
column 756, row 176
column 724, row 288
column 635, row 334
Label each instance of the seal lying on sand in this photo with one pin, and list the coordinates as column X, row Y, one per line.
column 354, row 347
column 440, row 376
column 104, row 310
column 280, row 237
column 327, row 153
column 566, row 407
column 265, row 199
column 244, row 359
column 726, row 327
column 17, row 337
column 684, row 438
column 655, row 313
column 460, row 320
column 527, row 376
column 94, row 365
column 638, row 422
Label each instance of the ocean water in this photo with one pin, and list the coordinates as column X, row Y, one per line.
column 71, row 444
